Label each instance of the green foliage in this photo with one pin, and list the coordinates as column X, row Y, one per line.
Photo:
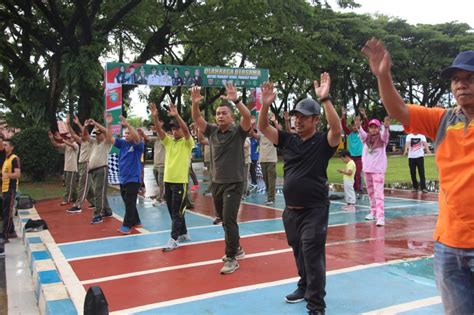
column 37, row 155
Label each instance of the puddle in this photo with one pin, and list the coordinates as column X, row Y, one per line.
column 431, row 186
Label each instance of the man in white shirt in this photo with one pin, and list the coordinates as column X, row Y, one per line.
column 415, row 146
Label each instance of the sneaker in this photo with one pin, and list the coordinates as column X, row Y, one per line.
column 90, row 207
column 139, row 225
column 124, row 230
column 190, row 206
column 171, row 245
column 2, row 252
column 63, row 203
column 217, row 220
column 349, row 208
column 296, row 296
column 184, row 238
column 269, row 203
column 240, row 254
column 369, row 217
column 97, row 219
column 74, row 210
column 424, row 191
column 108, row 214
column 230, row 265
column 380, row 222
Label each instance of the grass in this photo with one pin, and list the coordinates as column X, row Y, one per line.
column 50, row 188
column 397, row 169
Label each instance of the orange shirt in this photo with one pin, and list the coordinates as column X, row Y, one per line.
column 454, row 147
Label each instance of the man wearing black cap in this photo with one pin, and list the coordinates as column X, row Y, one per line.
column 453, row 133
column 306, row 154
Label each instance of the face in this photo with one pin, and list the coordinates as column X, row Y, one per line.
column 186, row 73
column 462, row 87
column 354, row 128
column 305, row 125
column 153, row 70
column 165, row 71
column 99, row 136
column 142, row 70
column 132, row 70
column 8, row 147
column 176, row 73
column 177, row 132
column 197, row 72
column 374, row 129
column 122, row 68
column 224, row 116
column 127, row 135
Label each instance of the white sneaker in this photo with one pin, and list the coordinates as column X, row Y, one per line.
column 369, row 217
column 171, row 245
column 184, row 238
column 349, row 208
column 230, row 265
column 380, row 222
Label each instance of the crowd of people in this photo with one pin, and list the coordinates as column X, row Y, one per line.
column 234, row 149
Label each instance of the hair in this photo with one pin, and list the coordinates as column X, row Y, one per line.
column 227, row 104
column 344, row 153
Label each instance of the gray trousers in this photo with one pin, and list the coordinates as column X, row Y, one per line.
column 85, row 187
column 159, row 172
column 99, row 182
column 269, row 177
column 70, row 180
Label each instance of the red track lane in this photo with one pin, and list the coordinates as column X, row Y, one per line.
column 66, row 227
column 99, row 267
column 174, row 284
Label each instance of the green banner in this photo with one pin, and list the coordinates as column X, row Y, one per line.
column 172, row 75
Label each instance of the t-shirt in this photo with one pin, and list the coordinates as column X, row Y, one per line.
column 305, row 164
column 159, row 152
column 130, row 165
column 247, row 151
column 416, row 145
column 85, row 151
column 70, row 157
column 350, row 166
column 454, row 142
column 227, row 153
column 268, row 152
column 374, row 160
column 355, row 145
column 178, row 154
column 99, row 153
column 11, row 163
column 254, row 149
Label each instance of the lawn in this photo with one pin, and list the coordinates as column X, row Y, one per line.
column 50, row 188
column 397, row 169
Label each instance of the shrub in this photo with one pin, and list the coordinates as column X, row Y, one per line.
column 38, row 158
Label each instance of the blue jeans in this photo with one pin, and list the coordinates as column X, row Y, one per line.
column 454, row 271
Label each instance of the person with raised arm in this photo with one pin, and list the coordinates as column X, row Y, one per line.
column 226, row 140
column 452, row 131
column 306, row 154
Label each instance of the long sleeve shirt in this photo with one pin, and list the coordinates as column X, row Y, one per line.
column 374, row 160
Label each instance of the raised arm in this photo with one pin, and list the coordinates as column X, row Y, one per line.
column 196, row 98
column 268, row 96
column 173, row 112
column 72, row 132
column 386, row 130
column 157, row 122
column 322, row 91
column 202, row 140
column 380, row 64
column 133, row 133
column 231, row 95
column 54, row 142
column 365, row 120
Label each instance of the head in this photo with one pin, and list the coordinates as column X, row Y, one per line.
column 142, row 70
column 224, row 115
column 131, row 69
column 197, row 72
column 153, row 70
column 306, row 114
column 353, row 127
column 186, row 73
column 126, row 135
column 122, row 68
column 166, row 70
column 8, row 145
column 344, row 156
column 461, row 74
column 176, row 130
column 374, row 126
column 98, row 135
column 176, row 72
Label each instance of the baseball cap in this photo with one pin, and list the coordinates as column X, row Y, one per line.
column 174, row 123
column 374, row 121
column 307, row 107
column 463, row 61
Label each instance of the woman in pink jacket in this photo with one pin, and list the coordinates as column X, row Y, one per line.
column 374, row 161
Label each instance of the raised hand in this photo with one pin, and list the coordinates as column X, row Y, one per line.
column 173, row 111
column 379, row 58
column 343, row 111
column 68, row 120
column 362, row 112
column 322, row 89
column 153, row 109
column 76, row 120
column 140, row 133
column 108, row 119
column 357, row 122
column 196, row 96
column 123, row 121
column 50, row 135
column 268, row 93
column 386, row 121
column 286, row 115
column 231, row 92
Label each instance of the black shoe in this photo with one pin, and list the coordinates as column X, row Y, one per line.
column 74, row 210
column 108, row 214
column 295, row 297
column 316, row 313
column 217, row 220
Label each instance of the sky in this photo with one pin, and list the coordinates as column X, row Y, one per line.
column 413, row 11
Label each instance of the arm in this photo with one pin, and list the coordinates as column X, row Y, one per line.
column 85, row 132
column 231, row 95
column 347, row 131
column 142, row 135
column 131, row 130
column 157, row 122
column 71, row 144
column 72, row 132
column 16, row 171
column 427, row 147
column 365, row 123
column 380, row 63
column 54, row 142
column 286, row 117
column 268, row 96
column 386, row 130
column 405, row 151
column 173, row 112
column 109, row 137
column 322, row 91
column 196, row 97
column 202, row 140
column 362, row 134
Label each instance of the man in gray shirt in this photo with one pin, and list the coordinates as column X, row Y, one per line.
column 227, row 167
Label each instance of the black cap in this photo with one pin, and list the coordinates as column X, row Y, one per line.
column 174, row 123
column 307, row 107
column 463, row 61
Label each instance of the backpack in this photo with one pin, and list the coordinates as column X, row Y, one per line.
column 95, row 302
column 35, row 225
column 25, row 202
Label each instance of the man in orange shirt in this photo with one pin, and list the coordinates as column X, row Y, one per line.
column 453, row 133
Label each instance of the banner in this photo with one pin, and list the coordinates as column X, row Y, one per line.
column 172, row 75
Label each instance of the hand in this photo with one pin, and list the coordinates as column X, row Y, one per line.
column 357, row 122
column 231, row 92
column 140, row 132
column 286, row 116
column 50, row 135
column 379, row 58
column 5, row 176
column 196, row 96
column 268, row 94
column 173, row 112
column 386, row 121
column 362, row 112
column 76, row 120
column 153, row 110
column 340, row 171
column 123, row 121
column 253, row 120
column 322, row 90
column 343, row 111
column 68, row 120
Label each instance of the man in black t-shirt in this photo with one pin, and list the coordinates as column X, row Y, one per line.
column 306, row 154
column 2, row 158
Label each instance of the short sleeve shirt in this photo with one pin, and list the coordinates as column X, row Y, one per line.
column 178, row 155
column 350, row 166
column 416, row 147
column 130, row 165
column 99, row 154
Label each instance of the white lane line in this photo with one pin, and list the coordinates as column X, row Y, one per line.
column 405, row 307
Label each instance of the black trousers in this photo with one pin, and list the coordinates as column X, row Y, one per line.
column 420, row 164
column 7, row 212
column 253, row 171
column 227, row 203
column 306, row 231
column 175, row 196
column 129, row 192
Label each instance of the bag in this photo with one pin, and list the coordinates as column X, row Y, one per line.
column 25, row 202
column 95, row 302
column 35, row 225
